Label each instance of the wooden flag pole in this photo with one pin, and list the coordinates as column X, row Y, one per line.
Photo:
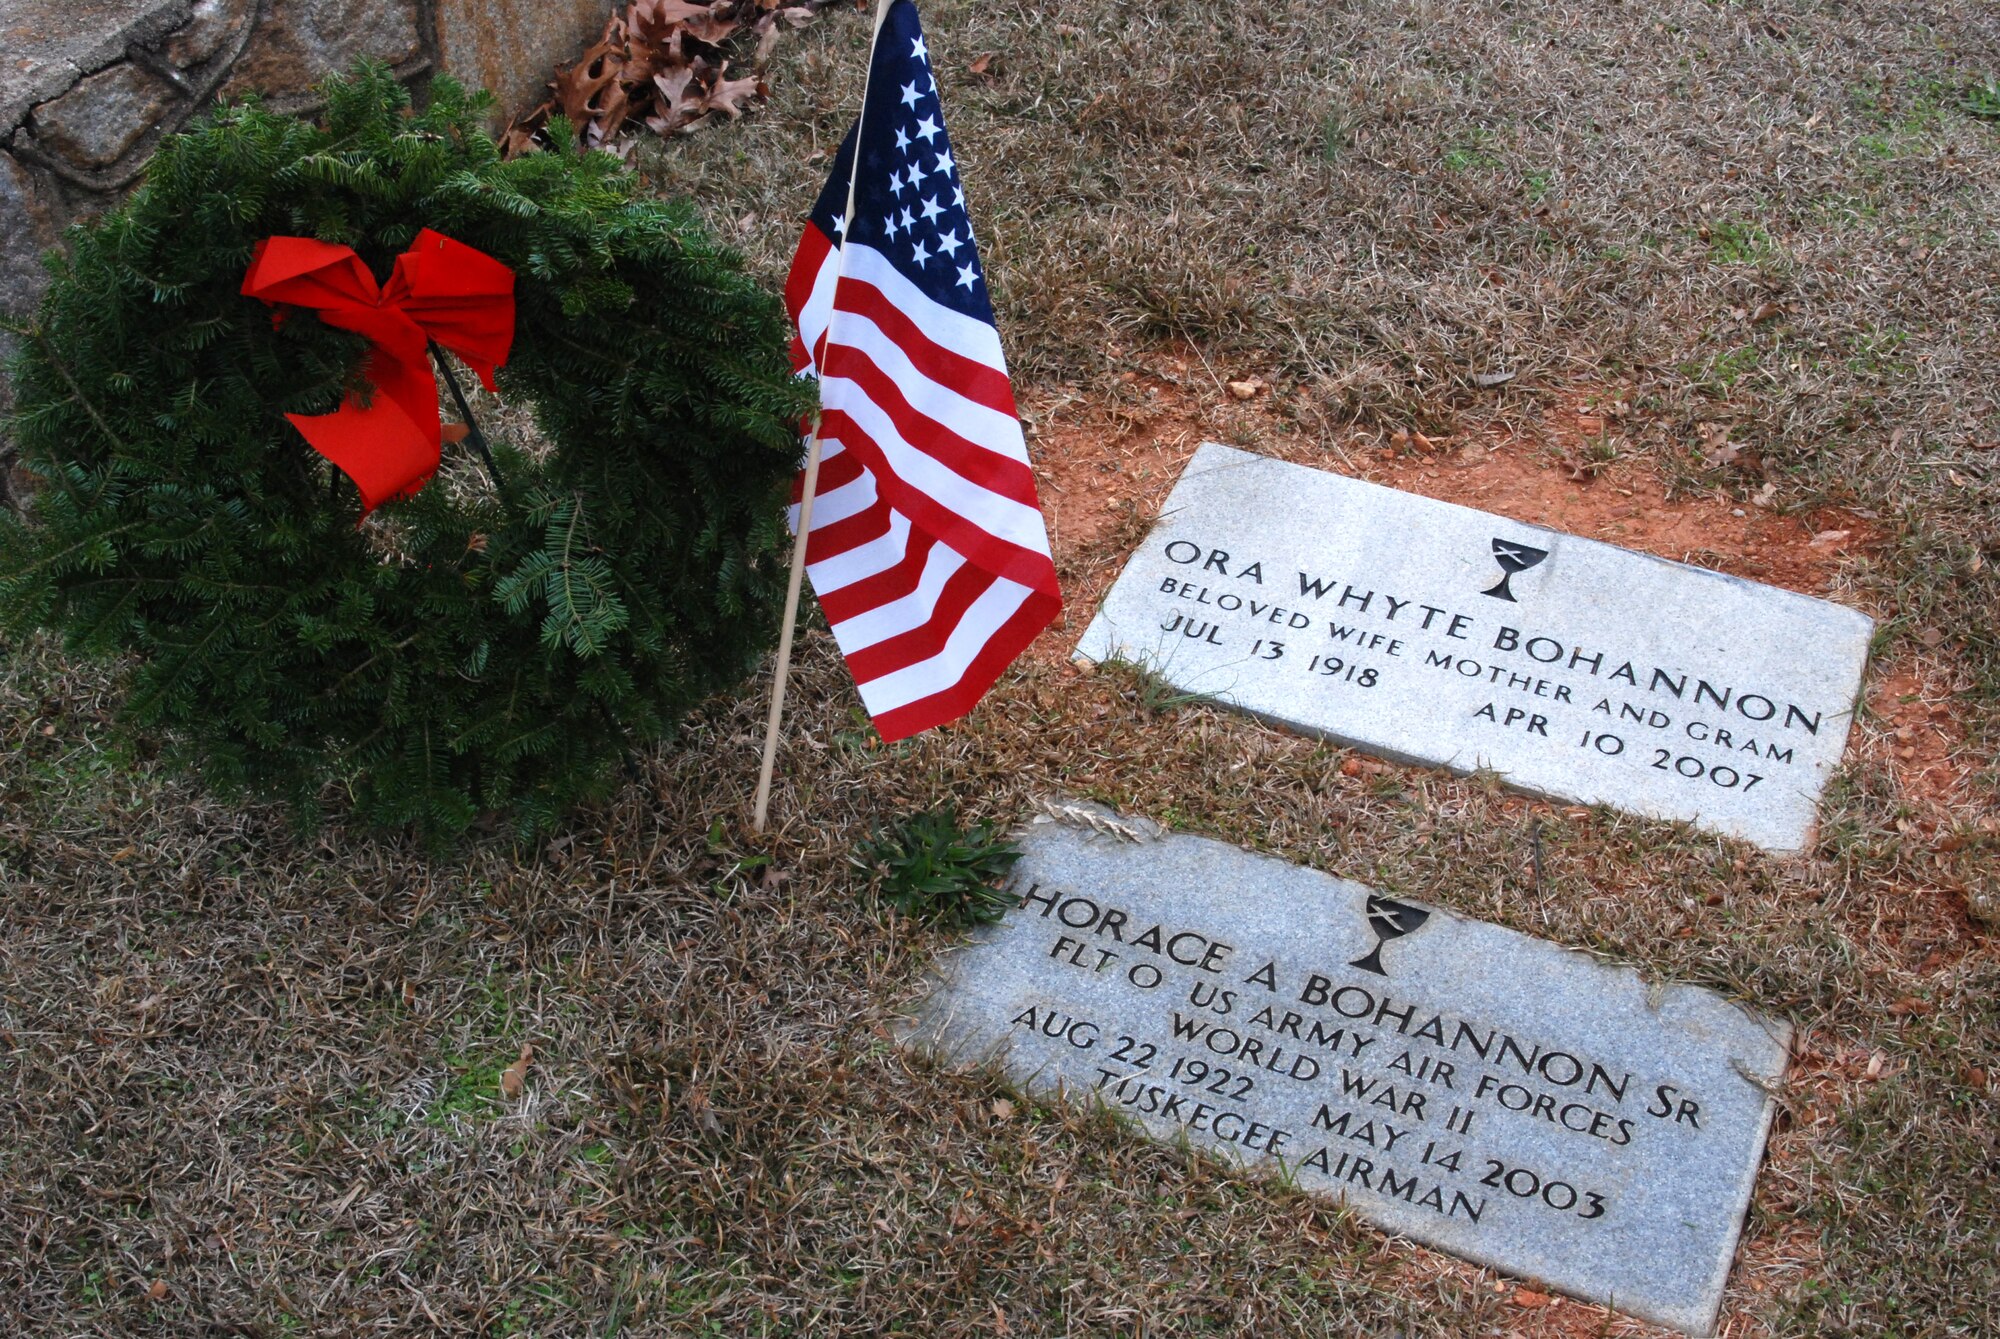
column 796, row 579
column 785, row 634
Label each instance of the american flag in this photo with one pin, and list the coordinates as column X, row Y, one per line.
column 928, row 552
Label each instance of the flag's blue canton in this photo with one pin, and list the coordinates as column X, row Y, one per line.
column 908, row 201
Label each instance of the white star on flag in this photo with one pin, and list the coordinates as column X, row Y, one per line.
column 928, row 130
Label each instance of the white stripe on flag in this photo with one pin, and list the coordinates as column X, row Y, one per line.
column 828, row 449
column 863, row 560
column 1001, row 517
column 835, row 505
column 818, row 307
column 989, row 428
column 910, row 612
column 994, row 607
column 946, row 328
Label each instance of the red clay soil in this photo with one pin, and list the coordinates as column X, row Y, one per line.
column 1916, row 734
column 1096, row 466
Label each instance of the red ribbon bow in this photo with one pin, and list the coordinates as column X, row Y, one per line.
column 441, row 290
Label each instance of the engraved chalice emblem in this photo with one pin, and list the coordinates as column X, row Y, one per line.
column 1512, row 558
column 1389, row 919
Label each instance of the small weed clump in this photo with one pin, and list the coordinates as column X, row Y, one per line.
column 1151, row 688
column 930, row 868
column 1981, row 99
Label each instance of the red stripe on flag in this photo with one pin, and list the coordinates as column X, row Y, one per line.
column 996, row 555
column 864, row 527
column 1010, row 478
column 975, row 380
column 885, row 587
column 814, row 249
column 835, row 471
column 1000, row 651
column 922, row 642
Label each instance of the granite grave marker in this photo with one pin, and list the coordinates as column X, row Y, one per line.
column 1495, row 1095
column 1437, row 634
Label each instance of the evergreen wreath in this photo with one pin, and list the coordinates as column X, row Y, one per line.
column 471, row 649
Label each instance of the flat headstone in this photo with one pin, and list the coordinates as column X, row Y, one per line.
column 1437, row 634
column 1500, row 1097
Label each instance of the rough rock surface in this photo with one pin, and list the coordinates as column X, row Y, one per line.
column 299, row 42
column 510, row 46
column 88, row 87
column 51, row 44
column 105, row 116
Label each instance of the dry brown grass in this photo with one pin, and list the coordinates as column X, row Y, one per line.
column 250, row 1082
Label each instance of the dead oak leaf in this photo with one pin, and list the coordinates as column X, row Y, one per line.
column 614, row 104
column 524, row 136
column 677, row 107
column 660, row 15
column 771, row 26
column 657, row 20
column 729, row 95
column 1582, row 469
column 514, row 1078
column 695, row 1103
column 661, row 62
column 1716, row 448
column 579, row 87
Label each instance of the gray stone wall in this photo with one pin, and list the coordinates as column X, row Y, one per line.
column 89, row 87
